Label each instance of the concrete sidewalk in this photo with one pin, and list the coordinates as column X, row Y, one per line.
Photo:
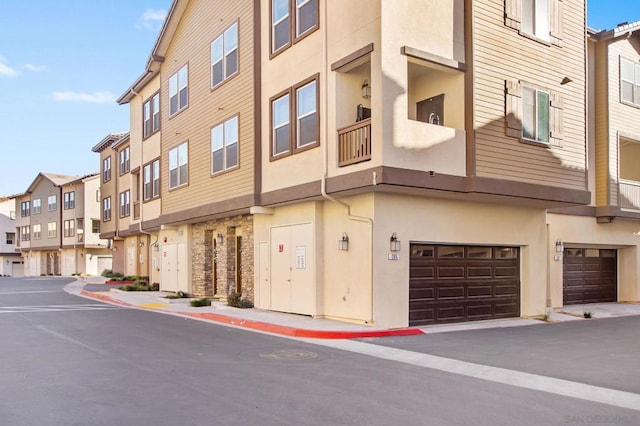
column 306, row 326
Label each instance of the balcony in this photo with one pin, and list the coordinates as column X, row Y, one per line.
column 629, row 195
column 354, row 143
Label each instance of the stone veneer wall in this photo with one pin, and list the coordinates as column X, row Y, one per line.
column 202, row 254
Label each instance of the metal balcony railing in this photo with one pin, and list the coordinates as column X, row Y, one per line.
column 629, row 194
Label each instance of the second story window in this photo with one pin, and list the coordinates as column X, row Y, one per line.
column 25, row 233
column 37, row 206
column 69, row 200
column 535, row 18
column 52, row 203
column 151, row 119
column 106, row 169
column 69, row 228
column 52, row 229
column 151, row 177
column 37, row 231
column 224, row 146
column 178, row 90
column 284, row 26
column 306, row 16
column 125, row 162
column 25, row 208
column 535, row 115
column 538, row 19
column 95, row 226
column 106, row 209
column 224, row 56
column 629, row 82
column 281, row 130
column 11, row 237
column 178, row 166
column 125, row 204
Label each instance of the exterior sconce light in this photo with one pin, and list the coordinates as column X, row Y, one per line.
column 366, row 89
column 114, row 249
column 141, row 244
column 394, row 243
column 559, row 246
column 219, row 238
column 343, row 243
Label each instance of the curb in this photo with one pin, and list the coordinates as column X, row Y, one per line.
column 270, row 328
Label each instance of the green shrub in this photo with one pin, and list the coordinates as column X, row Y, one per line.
column 237, row 301
column 200, row 302
column 135, row 287
column 587, row 314
column 155, row 287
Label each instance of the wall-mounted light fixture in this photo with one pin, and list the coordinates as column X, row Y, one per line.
column 343, row 242
column 559, row 246
column 114, row 249
column 219, row 238
column 394, row 243
column 566, row 80
column 141, row 244
column 366, row 89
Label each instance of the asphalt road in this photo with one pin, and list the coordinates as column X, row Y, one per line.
column 65, row 360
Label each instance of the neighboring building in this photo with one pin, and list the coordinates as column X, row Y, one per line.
column 388, row 163
column 11, row 264
column 50, row 223
column 601, row 261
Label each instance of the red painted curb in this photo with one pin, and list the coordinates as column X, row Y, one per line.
column 275, row 328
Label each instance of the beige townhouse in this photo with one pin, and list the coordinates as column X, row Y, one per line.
column 50, row 223
column 193, row 137
column 600, row 261
column 410, row 151
column 11, row 264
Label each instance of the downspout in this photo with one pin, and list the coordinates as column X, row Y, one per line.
column 325, row 158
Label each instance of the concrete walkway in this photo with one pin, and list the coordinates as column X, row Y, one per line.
column 307, row 327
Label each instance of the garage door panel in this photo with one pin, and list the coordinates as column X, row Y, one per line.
column 589, row 276
column 424, row 272
column 468, row 286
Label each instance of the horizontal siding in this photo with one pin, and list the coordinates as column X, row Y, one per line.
column 500, row 54
column 191, row 44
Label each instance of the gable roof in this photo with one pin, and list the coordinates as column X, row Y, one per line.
column 622, row 29
column 159, row 50
column 107, row 141
column 54, row 178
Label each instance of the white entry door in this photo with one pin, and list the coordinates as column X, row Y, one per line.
column 169, row 277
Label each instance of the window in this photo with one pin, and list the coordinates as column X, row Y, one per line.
column 95, row 226
column 11, row 237
column 106, row 209
column 12, row 215
column 125, row 163
column 25, row 208
column 52, row 229
column 629, row 82
column 25, row 233
column 69, row 228
column 540, row 19
column 37, row 206
column 305, row 130
column 125, row 203
column 535, row 115
column 178, row 166
column 52, row 203
column 151, row 111
column 151, row 176
column 532, row 114
column 305, row 21
column 106, row 169
column 37, row 231
column 224, row 55
column 224, row 146
column 69, row 200
column 178, row 90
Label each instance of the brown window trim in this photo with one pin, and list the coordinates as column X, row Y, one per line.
column 230, row 169
column 235, row 74
column 184, row 185
column 150, row 99
column 293, row 119
column 150, row 163
column 293, row 39
column 188, row 92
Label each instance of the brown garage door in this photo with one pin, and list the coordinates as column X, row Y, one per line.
column 589, row 276
column 462, row 283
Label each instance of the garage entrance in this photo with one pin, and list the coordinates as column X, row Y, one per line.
column 589, row 276
column 462, row 283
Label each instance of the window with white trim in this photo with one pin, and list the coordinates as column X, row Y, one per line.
column 179, row 90
column 125, row 203
column 280, row 28
column 52, row 203
column 307, row 117
column 306, row 16
column 125, row 161
column 224, row 56
column 629, row 82
column 538, row 19
column 535, row 18
column 37, row 206
column 224, row 146
column 106, row 209
column 151, row 116
column 151, row 180
column 535, row 114
column 52, row 230
column 281, row 129
column 178, row 166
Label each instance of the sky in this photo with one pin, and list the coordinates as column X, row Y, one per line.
column 63, row 63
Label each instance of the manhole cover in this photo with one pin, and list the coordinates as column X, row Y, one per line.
column 289, row 355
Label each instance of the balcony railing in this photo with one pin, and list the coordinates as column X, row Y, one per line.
column 354, row 143
column 629, row 194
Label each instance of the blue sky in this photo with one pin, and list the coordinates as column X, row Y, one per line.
column 64, row 62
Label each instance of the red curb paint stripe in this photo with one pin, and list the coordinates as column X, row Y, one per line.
column 103, row 298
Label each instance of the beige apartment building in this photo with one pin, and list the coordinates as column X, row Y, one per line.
column 11, row 264
column 57, row 226
column 389, row 163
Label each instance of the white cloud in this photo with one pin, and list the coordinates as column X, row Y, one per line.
column 6, row 70
column 151, row 19
column 94, row 98
column 35, row 68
